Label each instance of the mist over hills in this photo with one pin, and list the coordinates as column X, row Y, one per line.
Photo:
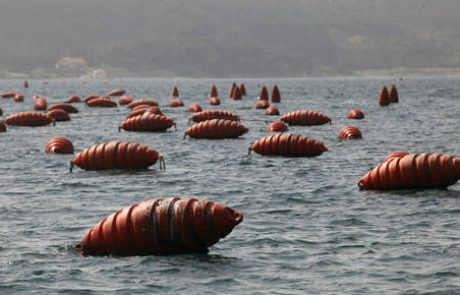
column 214, row 38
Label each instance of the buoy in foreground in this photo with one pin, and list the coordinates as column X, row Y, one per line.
column 305, row 118
column 288, row 145
column 355, row 114
column 216, row 129
column 161, row 226
column 393, row 94
column 413, row 171
column 349, row 132
column 384, row 97
column 277, row 126
column 73, row 99
column 31, row 119
column 59, row 145
column 117, row 155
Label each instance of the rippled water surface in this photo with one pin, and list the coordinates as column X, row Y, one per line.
column 307, row 228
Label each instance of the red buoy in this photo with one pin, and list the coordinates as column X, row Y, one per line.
column 275, row 95
column 2, row 126
column 102, row 102
column 140, row 101
column 263, row 93
column 59, row 115
column 116, row 92
column 242, row 89
column 262, row 104
column 216, row 129
column 90, row 97
column 214, row 101
column 289, row 145
column 305, row 118
column 232, row 89
column 64, row 106
column 349, row 132
column 18, row 98
column 277, row 126
column 213, row 91
column 161, row 226
column 271, row 111
column 397, row 154
column 40, row 104
column 413, row 171
column 137, row 112
column 8, row 94
column 194, row 108
column 73, row 99
column 147, row 122
column 117, row 155
column 28, row 119
column 384, row 97
column 59, row 145
column 124, row 100
column 355, row 114
column 236, row 95
column 176, row 102
column 213, row 114
column 175, row 92
column 393, row 94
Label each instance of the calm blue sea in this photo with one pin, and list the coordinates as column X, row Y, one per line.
column 307, row 228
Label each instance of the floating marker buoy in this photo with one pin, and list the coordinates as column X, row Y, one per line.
column 305, row 118
column 397, row 154
column 271, row 111
column 213, row 91
column 275, row 95
column 117, row 155
column 116, row 92
column 349, row 132
column 213, row 114
column 59, row 115
column 175, row 92
column 176, row 102
column 384, row 97
column 413, row 171
column 124, row 100
column 393, row 94
column 194, row 108
column 242, row 89
column 90, row 97
column 28, row 119
column 232, row 89
column 102, row 102
column 161, row 226
column 289, row 145
column 216, row 129
column 18, row 97
column 262, row 104
column 214, row 101
column 277, row 126
column 355, row 114
column 59, row 145
column 73, row 99
column 263, row 93
column 236, row 94
column 147, row 122
column 147, row 101
column 40, row 104
column 64, row 106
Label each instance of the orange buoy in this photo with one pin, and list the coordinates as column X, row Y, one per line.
column 18, row 97
column 64, row 106
column 59, row 115
column 397, row 154
column 413, row 171
column 263, row 93
column 73, row 99
column 213, row 91
column 59, row 145
column 262, row 104
column 147, row 122
column 384, row 97
column 125, row 100
column 216, row 129
column 28, row 119
column 116, row 92
column 102, row 102
column 275, row 95
column 40, row 104
column 232, row 89
column 141, row 106
column 242, row 89
column 175, row 92
column 176, row 102
column 236, row 95
column 289, row 145
column 214, row 101
column 8, row 94
column 161, row 226
column 213, row 114
column 355, row 114
column 271, row 111
column 2, row 126
column 393, row 94
column 137, row 112
column 194, row 108
column 140, row 101
column 90, row 97
column 117, row 155
column 277, row 126
column 349, row 132
column 305, row 118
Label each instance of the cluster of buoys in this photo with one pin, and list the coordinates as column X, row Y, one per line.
column 386, row 97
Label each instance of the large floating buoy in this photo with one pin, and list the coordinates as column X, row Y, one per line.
column 213, row 91
column 413, row 171
column 2, row 126
column 194, row 108
column 214, row 101
column 137, row 112
column 277, row 126
column 161, row 226
column 116, row 92
column 262, row 104
column 271, row 111
column 349, row 132
column 175, row 92
column 59, row 145
column 102, row 102
column 147, row 122
column 8, row 94
column 289, row 145
column 73, row 99
column 40, row 103
column 140, row 101
column 275, row 95
column 242, row 89
column 213, row 114
column 384, row 97
column 64, row 106
column 393, row 94
column 90, row 97
column 305, row 118
column 216, row 129
column 176, row 102
column 28, row 119
column 117, row 155
column 59, row 115
column 263, row 93
column 397, row 154
column 125, row 100
column 355, row 114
